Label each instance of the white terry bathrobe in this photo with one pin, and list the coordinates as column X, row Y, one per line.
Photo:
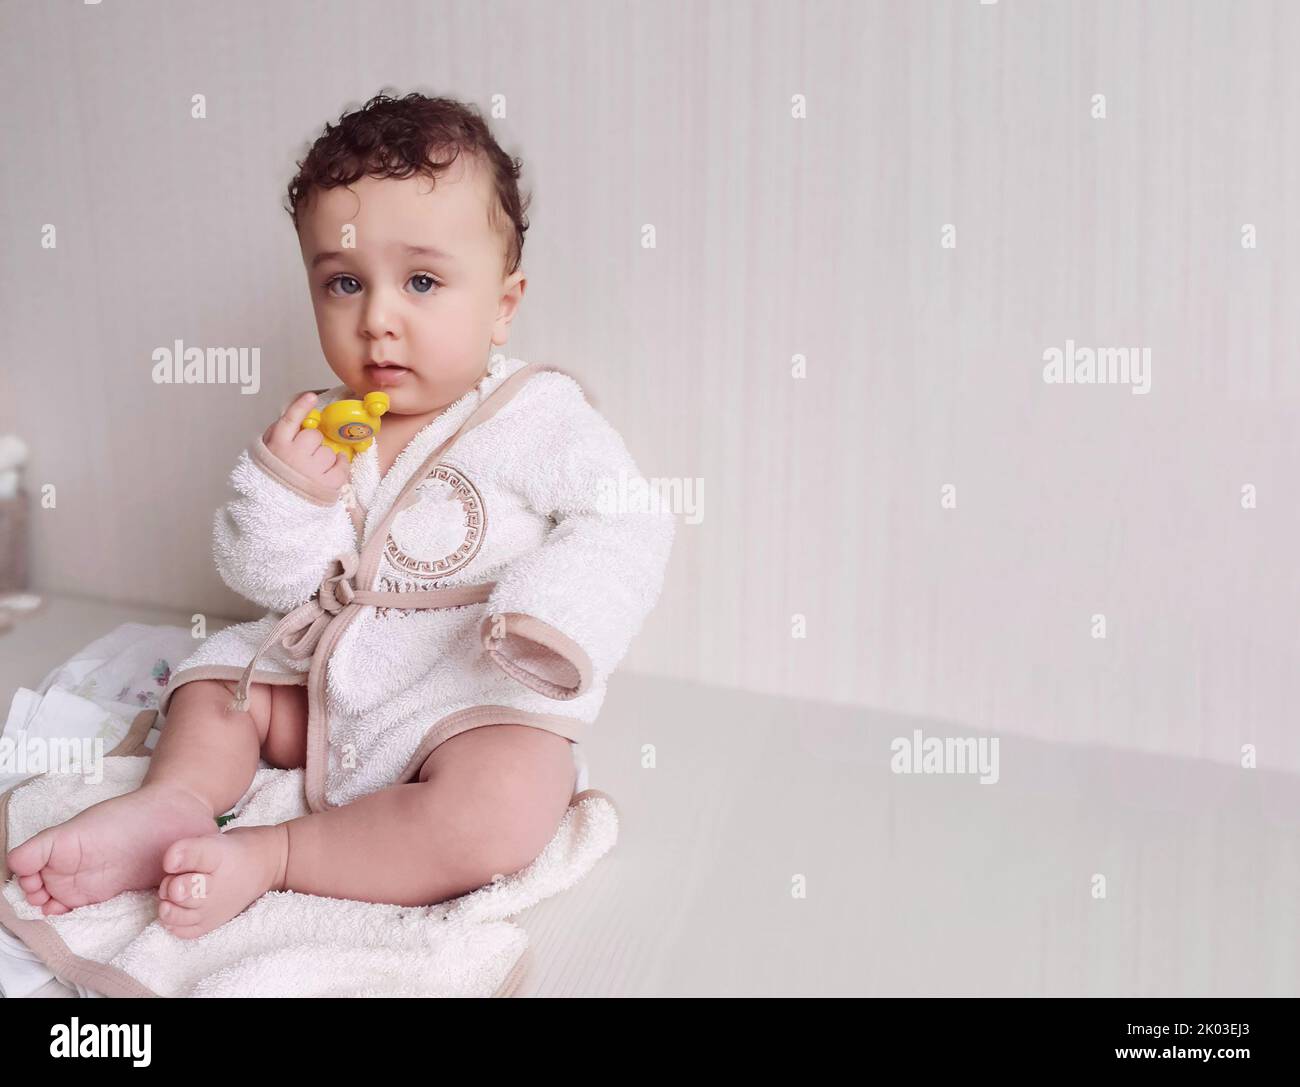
column 495, row 575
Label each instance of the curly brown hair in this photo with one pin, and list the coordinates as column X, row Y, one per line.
column 399, row 137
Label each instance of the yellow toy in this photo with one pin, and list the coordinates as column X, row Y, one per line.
column 349, row 426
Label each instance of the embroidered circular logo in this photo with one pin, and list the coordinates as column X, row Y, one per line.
column 442, row 530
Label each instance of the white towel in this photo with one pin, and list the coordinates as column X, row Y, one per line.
column 286, row 943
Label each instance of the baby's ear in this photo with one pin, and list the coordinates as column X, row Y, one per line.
column 376, row 403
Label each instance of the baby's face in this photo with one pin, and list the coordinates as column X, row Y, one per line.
column 424, row 287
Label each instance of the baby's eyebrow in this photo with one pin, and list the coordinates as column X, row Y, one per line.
column 411, row 251
column 427, row 251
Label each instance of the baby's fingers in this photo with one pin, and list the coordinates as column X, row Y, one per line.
column 285, row 428
column 340, row 472
column 322, row 460
column 307, row 442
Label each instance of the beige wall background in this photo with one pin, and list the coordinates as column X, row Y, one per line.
column 776, row 236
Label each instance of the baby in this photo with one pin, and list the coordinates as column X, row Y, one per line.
column 444, row 609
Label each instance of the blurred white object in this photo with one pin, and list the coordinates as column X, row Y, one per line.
column 13, row 451
column 19, row 603
column 57, row 715
column 13, row 520
column 100, row 690
column 22, row 973
column 126, row 670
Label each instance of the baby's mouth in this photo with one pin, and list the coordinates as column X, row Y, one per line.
column 386, row 374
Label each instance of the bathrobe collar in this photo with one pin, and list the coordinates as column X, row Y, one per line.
column 374, row 494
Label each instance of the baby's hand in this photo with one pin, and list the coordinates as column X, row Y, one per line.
column 305, row 450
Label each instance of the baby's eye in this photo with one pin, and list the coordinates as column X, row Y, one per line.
column 423, row 276
column 340, row 279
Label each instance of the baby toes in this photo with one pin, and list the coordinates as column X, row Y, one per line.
column 34, row 854
column 185, row 888
column 34, row 888
column 193, row 855
column 214, row 877
column 183, row 921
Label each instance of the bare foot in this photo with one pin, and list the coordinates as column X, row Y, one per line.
column 215, row 877
column 114, row 846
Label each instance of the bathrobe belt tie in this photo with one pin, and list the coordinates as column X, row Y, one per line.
column 300, row 631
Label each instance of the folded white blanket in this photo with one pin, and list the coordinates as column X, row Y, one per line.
column 286, row 943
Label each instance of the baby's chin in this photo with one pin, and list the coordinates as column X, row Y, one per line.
column 420, row 399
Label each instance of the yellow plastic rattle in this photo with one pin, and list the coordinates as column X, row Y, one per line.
column 348, row 426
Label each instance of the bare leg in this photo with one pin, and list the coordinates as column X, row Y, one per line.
column 204, row 762
column 212, row 751
column 487, row 802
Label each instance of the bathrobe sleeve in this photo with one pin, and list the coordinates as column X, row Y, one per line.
column 563, row 615
column 277, row 539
